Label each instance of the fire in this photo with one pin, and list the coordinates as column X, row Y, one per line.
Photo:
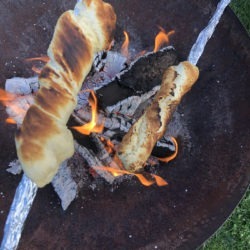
column 146, row 182
column 10, row 121
column 8, row 100
column 109, row 146
column 125, row 45
column 162, row 38
column 44, row 59
column 171, row 157
column 36, row 70
column 118, row 170
column 40, row 58
column 92, row 126
column 6, row 97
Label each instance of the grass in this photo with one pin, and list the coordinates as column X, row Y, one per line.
column 235, row 233
column 242, row 10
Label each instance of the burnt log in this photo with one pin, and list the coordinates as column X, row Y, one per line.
column 143, row 75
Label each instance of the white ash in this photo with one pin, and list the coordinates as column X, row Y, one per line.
column 114, row 63
column 106, row 66
column 15, row 167
column 128, row 106
column 118, row 122
column 111, row 122
column 166, row 142
column 64, row 185
column 22, row 86
column 109, row 64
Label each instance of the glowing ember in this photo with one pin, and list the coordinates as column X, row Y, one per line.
column 92, row 126
column 119, row 172
column 171, row 157
column 162, row 38
column 125, row 45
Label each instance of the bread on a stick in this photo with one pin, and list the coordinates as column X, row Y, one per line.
column 138, row 143
column 43, row 142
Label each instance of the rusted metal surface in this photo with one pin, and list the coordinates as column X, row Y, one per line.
column 207, row 179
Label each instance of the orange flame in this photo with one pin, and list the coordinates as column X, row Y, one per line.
column 162, row 38
column 92, row 126
column 109, row 146
column 8, row 100
column 44, row 59
column 118, row 172
column 40, row 58
column 6, row 97
column 10, row 121
column 159, row 181
column 125, row 45
column 173, row 156
column 36, row 70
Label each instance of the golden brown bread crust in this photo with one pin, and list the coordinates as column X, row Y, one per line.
column 138, row 143
column 43, row 142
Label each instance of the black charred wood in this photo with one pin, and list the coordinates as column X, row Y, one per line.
column 144, row 74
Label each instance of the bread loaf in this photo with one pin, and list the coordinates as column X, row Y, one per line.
column 43, row 142
column 138, row 143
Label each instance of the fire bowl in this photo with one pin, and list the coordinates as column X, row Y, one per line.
column 211, row 172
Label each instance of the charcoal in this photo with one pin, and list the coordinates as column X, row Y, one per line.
column 142, row 75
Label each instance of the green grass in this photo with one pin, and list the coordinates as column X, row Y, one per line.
column 242, row 10
column 235, row 233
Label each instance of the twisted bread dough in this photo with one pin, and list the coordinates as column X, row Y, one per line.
column 138, row 143
column 43, row 142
